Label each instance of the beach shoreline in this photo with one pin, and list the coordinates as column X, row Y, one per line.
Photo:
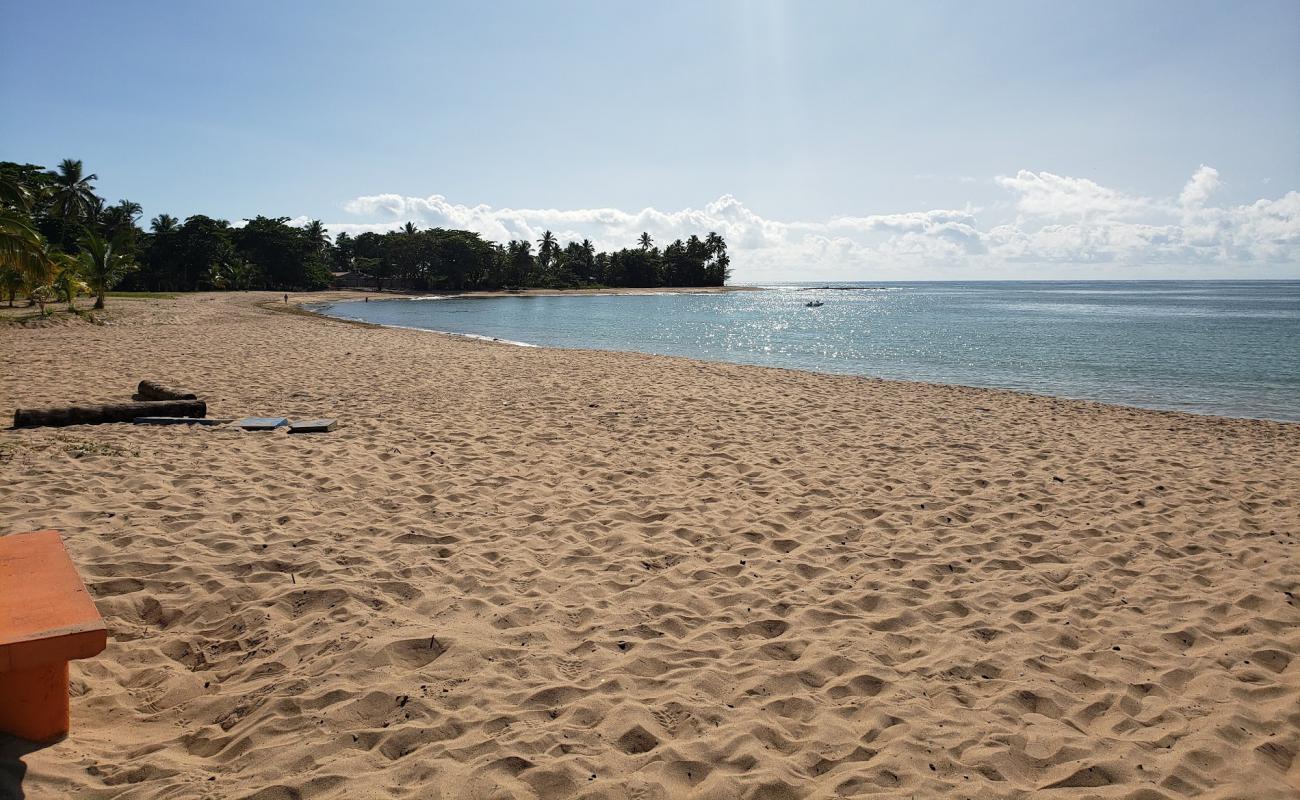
column 537, row 572
column 312, row 307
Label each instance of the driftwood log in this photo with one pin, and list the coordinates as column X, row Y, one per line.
column 152, row 390
column 112, row 412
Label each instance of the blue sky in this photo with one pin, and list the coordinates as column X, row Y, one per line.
column 848, row 140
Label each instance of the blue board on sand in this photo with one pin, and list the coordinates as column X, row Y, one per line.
column 261, row 423
column 180, row 421
column 312, row 426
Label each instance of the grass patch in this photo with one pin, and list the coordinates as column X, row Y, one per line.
column 52, row 314
column 77, row 448
column 145, row 295
column 85, row 447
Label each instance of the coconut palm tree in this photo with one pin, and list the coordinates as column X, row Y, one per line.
column 645, row 241
column 718, row 269
column 242, row 273
column 22, row 250
column 236, row 274
column 164, row 223
column 11, row 280
column 121, row 216
column 67, row 277
column 216, row 277
column 547, row 247
column 101, row 266
column 20, row 244
column 316, row 233
column 73, row 194
column 588, row 251
column 42, row 296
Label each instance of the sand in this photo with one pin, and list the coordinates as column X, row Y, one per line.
column 518, row 573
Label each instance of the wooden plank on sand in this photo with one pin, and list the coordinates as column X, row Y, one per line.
column 261, row 423
column 312, row 426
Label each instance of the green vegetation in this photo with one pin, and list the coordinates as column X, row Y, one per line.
column 86, row 447
column 453, row 259
column 58, row 239
column 77, row 448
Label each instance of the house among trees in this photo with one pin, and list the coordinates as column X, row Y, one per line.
column 351, row 279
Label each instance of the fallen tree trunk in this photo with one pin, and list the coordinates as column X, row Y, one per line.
column 152, row 390
column 112, row 412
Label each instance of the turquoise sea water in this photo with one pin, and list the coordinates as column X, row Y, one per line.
column 1212, row 347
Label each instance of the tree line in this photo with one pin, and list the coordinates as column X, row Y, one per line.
column 59, row 238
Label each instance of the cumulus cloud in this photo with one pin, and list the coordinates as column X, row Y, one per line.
column 1057, row 220
column 1202, row 184
column 1043, row 194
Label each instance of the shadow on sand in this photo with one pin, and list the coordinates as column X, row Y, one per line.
column 12, row 768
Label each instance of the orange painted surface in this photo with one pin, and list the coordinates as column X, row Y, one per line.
column 46, row 619
column 34, row 702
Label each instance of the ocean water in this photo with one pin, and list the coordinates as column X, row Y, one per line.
column 1210, row 347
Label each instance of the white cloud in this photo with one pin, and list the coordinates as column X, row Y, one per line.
column 1203, row 183
column 1044, row 194
column 1059, row 220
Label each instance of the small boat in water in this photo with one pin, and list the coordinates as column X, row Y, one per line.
column 814, row 304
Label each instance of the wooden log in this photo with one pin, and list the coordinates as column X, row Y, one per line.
column 152, row 390
column 112, row 412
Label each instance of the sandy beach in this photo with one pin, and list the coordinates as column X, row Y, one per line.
column 531, row 573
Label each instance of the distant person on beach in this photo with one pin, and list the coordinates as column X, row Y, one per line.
column 286, row 298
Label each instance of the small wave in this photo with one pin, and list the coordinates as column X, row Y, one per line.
column 477, row 336
column 480, row 337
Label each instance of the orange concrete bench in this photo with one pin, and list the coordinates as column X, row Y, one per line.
column 46, row 619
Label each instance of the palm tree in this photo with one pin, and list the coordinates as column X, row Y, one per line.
column 22, row 250
column 95, row 212
column 316, row 233
column 239, row 274
column 20, row 244
column 645, row 241
column 409, row 229
column 121, row 216
column 217, row 277
column 546, row 249
column 74, row 194
column 718, row 269
column 41, row 296
column 101, row 266
column 11, row 280
column 67, row 277
column 164, row 223
column 588, row 251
